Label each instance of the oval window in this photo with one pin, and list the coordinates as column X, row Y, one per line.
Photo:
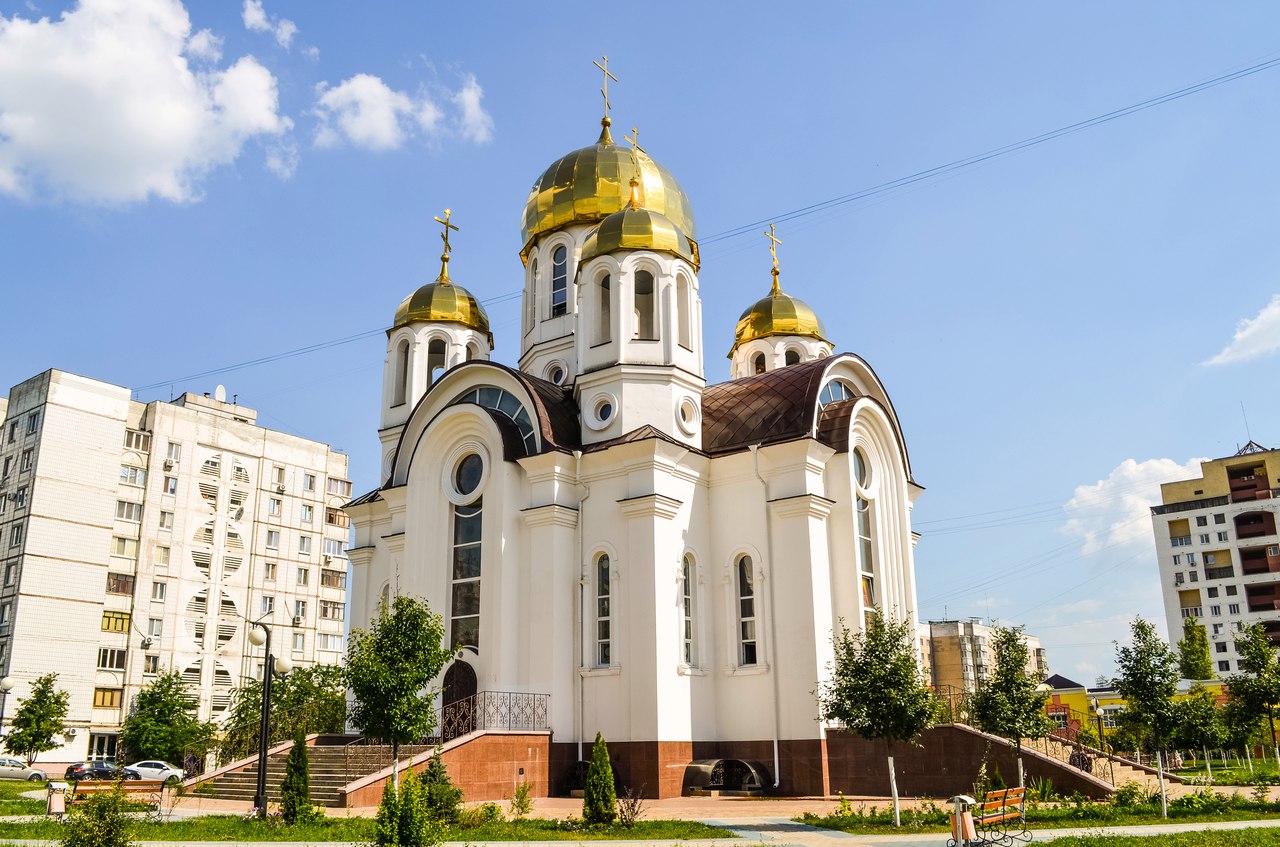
column 467, row 477
column 860, row 468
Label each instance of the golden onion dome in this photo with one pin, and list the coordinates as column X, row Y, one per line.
column 634, row 228
column 590, row 184
column 778, row 314
column 443, row 301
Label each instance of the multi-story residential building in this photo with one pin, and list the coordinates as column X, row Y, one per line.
column 1218, row 552
column 140, row 537
column 957, row 655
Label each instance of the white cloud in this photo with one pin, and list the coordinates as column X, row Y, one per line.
column 256, row 19
column 1254, row 337
column 476, row 124
column 101, row 105
column 366, row 112
column 282, row 159
column 1116, row 511
column 312, row 53
column 205, row 45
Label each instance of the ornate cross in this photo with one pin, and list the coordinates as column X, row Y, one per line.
column 774, row 241
column 604, row 91
column 447, row 226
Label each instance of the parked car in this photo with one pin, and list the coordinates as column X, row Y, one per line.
column 100, row 770
column 18, row 769
column 156, row 769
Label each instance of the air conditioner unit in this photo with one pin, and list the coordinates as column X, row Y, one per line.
column 168, row 464
column 297, row 620
column 280, row 489
column 328, row 560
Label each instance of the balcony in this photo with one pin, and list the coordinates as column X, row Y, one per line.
column 1255, row 524
column 1188, row 505
column 1180, row 541
column 1260, row 559
column 1219, row 573
column 1262, row 598
column 1192, row 612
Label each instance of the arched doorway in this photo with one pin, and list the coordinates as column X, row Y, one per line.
column 457, row 715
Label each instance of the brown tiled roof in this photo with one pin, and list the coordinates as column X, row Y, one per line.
column 368, row 497
column 775, row 406
column 643, row 433
column 833, row 424
column 557, row 413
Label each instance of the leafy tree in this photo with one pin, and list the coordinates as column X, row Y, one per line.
column 599, row 798
column 1194, row 661
column 39, row 718
column 876, row 688
column 1256, row 689
column 295, row 790
column 389, row 668
column 1009, row 703
column 1200, row 723
column 162, row 723
column 1147, row 680
column 443, row 798
column 311, row 699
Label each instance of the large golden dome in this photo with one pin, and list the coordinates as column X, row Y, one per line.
column 639, row 229
column 443, row 301
column 590, row 184
column 778, row 314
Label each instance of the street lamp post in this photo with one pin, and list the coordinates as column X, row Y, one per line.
column 259, row 635
column 1102, row 739
column 6, row 685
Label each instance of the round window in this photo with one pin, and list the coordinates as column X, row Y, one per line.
column 605, row 411
column 860, row 468
column 687, row 416
column 470, row 471
column 556, row 375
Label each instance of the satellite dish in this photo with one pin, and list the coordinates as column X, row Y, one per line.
column 220, row 394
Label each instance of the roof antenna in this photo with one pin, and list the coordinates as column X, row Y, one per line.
column 1245, row 415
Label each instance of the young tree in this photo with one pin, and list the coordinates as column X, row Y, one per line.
column 162, row 723
column 876, row 688
column 599, row 798
column 1194, row 661
column 295, row 790
column 1147, row 680
column 386, row 825
column 389, row 669
column 1256, row 689
column 1009, row 703
column 312, row 699
column 39, row 718
column 443, row 798
column 1200, row 723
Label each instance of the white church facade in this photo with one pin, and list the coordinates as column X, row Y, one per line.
column 660, row 560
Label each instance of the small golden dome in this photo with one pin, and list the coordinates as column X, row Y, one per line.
column 778, row 314
column 639, row 229
column 443, row 302
column 590, row 184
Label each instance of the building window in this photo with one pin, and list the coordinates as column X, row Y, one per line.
column 33, row 423
column 299, row 608
column 1232, row 591
column 1221, row 647
column 1220, row 518
column 124, row 547
column 1215, row 611
column 106, row 698
column 127, row 511
column 155, row 627
column 115, row 621
column 299, row 642
column 20, row 498
column 151, row 664
column 464, row 608
column 687, row 573
column 273, row 539
column 5, row 612
column 334, row 548
column 1177, row 578
column 330, row 611
column 112, row 659
column 15, row 535
column 308, row 482
column 158, row 591
column 170, row 485
column 269, row 571
column 1224, row 666
column 336, row 517
column 646, row 306
column 1191, row 558
column 119, row 583
column 747, row 640
column 304, row 545
column 277, row 475
column 13, row 432
column 1217, row 628
column 401, row 377
column 11, row 573
column 268, row 604
column 1177, row 559
column 1222, row 536
column 135, row 440
column 330, row 578
column 304, row 576
column 307, row 513
column 604, row 312
column 1213, row 592
column 559, row 281
column 684, row 313
column 604, row 611
column 28, row 461
column 1204, row 538
column 273, row 506
column 166, row 520
column 1202, row 520
column 1233, row 608
column 325, row 641
column 174, row 452
column 130, row 475
column 340, row 487
column 162, row 557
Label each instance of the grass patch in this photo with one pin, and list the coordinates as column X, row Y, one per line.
column 235, row 828
column 12, row 804
column 1258, row 837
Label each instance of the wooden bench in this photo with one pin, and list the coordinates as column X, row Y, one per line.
column 146, row 791
column 1001, row 818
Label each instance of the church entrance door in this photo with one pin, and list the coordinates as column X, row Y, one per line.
column 458, row 716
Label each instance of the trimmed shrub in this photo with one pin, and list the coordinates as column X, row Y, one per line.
column 101, row 821
column 599, row 797
column 386, row 826
column 295, row 790
column 443, row 798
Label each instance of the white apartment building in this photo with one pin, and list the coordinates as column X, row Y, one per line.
column 1218, row 552
column 139, row 537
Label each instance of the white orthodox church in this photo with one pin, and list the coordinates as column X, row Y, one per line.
column 656, row 559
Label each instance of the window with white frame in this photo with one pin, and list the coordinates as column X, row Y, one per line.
column 273, row 506
column 127, row 511
column 299, row 642
column 268, row 604
column 308, row 482
column 464, row 605
column 158, row 591
column 329, row 642
column 273, row 539
column 559, row 281
column 645, row 304
column 688, row 573
column 747, row 635
column 604, row 611
column 155, row 627
column 162, row 557
column 33, row 423
column 166, row 520
column 304, row 576
column 174, row 452
column 129, row 475
column 308, row 513
column 299, row 608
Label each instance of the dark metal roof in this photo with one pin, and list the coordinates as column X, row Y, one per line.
column 557, row 411
column 368, row 497
column 643, row 433
column 762, row 409
column 833, row 424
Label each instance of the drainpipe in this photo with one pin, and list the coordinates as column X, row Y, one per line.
column 773, row 625
column 584, row 493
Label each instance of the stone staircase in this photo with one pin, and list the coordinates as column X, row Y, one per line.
column 328, row 766
column 1114, row 770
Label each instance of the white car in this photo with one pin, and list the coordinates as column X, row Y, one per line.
column 18, row 769
column 155, row 769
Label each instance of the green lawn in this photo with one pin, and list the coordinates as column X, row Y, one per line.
column 235, row 828
column 1205, row 838
column 12, row 804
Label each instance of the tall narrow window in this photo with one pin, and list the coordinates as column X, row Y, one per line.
column 465, row 607
column 792, row 358
column 646, row 302
column 684, row 313
column 531, row 297
column 435, row 360
column 686, row 610
column 401, row 373
column 604, row 314
column 866, row 560
column 559, row 282
column 746, row 612
column 604, row 638
column 757, row 364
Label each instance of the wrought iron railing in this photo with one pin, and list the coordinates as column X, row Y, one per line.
column 493, row 710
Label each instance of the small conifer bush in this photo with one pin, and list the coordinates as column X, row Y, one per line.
column 599, row 798
column 295, row 790
column 386, row 826
column 444, row 799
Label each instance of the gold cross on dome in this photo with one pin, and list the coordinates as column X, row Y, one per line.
column 774, row 241
column 604, row 90
column 634, row 139
column 448, row 213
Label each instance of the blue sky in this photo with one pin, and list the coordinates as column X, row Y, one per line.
column 185, row 189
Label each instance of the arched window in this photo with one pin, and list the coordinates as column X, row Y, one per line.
column 792, row 358
column 604, row 314
column 646, row 302
column 604, row 590
column 687, row 575
column 400, row 392
column 464, row 606
column 505, row 402
column 436, row 363
column 473, row 352
column 757, row 363
column 833, row 391
column 559, row 281
column 531, row 297
column 684, row 313
column 747, row 640
column 866, row 559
